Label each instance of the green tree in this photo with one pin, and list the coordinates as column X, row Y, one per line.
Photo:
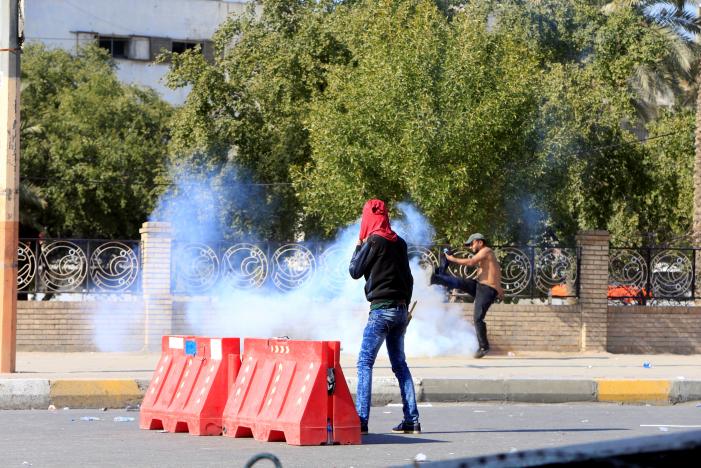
column 677, row 73
column 244, row 120
column 654, row 48
column 91, row 145
column 376, row 120
column 426, row 110
column 668, row 210
column 592, row 173
column 514, row 117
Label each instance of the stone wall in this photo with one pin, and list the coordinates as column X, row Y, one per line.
column 514, row 327
column 646, row 329
column 71, row 326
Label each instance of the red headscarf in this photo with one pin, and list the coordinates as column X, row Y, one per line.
column 376, row 221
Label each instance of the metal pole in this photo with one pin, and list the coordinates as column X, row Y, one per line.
column 9, row 178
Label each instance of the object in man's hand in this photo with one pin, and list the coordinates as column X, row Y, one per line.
column 410, row 314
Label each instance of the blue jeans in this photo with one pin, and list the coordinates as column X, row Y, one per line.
column 389, row 324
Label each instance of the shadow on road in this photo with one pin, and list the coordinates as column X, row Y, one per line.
column 564, row 429
column 371, row 439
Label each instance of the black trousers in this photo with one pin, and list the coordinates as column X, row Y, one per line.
column 484, row 297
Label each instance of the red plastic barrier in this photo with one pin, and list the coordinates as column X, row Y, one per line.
column 293, row 391
column 164, row 383
column 195, row 396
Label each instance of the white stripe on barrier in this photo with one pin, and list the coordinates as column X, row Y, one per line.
column 176, row 342
column 215, row 345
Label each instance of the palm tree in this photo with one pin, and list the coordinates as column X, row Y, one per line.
column 660, row 83
column 679, row 21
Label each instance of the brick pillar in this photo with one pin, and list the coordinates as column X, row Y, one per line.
column 593, row 288
column 158, row 303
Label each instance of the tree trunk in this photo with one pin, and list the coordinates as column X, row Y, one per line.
column 696, row 230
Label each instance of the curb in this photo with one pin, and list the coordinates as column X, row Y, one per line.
column 514, row 390
column 634, row 391
column 94, row 393
column 22, row 394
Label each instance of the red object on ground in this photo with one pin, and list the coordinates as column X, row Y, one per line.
column 164, row 383
column 293, row 391
column 196, row 390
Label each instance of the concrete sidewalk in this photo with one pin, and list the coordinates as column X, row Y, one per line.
column 114, row 380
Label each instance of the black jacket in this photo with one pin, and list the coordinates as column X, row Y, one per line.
column 385, row 266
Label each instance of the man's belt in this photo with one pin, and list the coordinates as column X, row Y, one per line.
column 389, row 302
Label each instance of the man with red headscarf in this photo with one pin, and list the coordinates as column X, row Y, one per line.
column 381, row 257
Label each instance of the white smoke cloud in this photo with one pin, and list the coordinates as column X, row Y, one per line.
column 117, row 325
column 330, row 305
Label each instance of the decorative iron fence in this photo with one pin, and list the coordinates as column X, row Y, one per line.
column 109, row 266
column 78, row 266
column 655, row 276
column 652, row 276
column 199, row 268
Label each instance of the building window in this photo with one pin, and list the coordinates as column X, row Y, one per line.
column 118, row 47
column 179, row 47
column 139, row 48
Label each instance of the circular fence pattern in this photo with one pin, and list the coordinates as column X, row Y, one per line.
column 114, row 266
column 196, row 267
column 554, row 267
column 627, row 268
column 26, row 266
column 672, row 274
column 293, row 265
column 427, row 259
column 462, row 271
column 333, row 268
column 245, row 266
column 63, row 266
column 515, row 270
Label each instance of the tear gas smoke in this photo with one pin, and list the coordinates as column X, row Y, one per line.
column 330, row 305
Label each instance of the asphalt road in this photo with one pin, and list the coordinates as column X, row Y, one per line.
column 61, row 438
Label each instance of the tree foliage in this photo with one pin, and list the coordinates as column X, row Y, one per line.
column 244, row 119
column 525, row 120
column 91, row 146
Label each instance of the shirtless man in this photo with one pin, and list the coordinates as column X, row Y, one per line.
column 486, row 289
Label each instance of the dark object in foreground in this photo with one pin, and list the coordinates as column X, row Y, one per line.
column 651, row 451
column 264, row 456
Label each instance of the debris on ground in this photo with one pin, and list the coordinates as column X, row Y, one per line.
column 122, row 419
column 88, row 418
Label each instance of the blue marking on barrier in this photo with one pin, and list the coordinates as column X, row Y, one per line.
column 190, row 347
